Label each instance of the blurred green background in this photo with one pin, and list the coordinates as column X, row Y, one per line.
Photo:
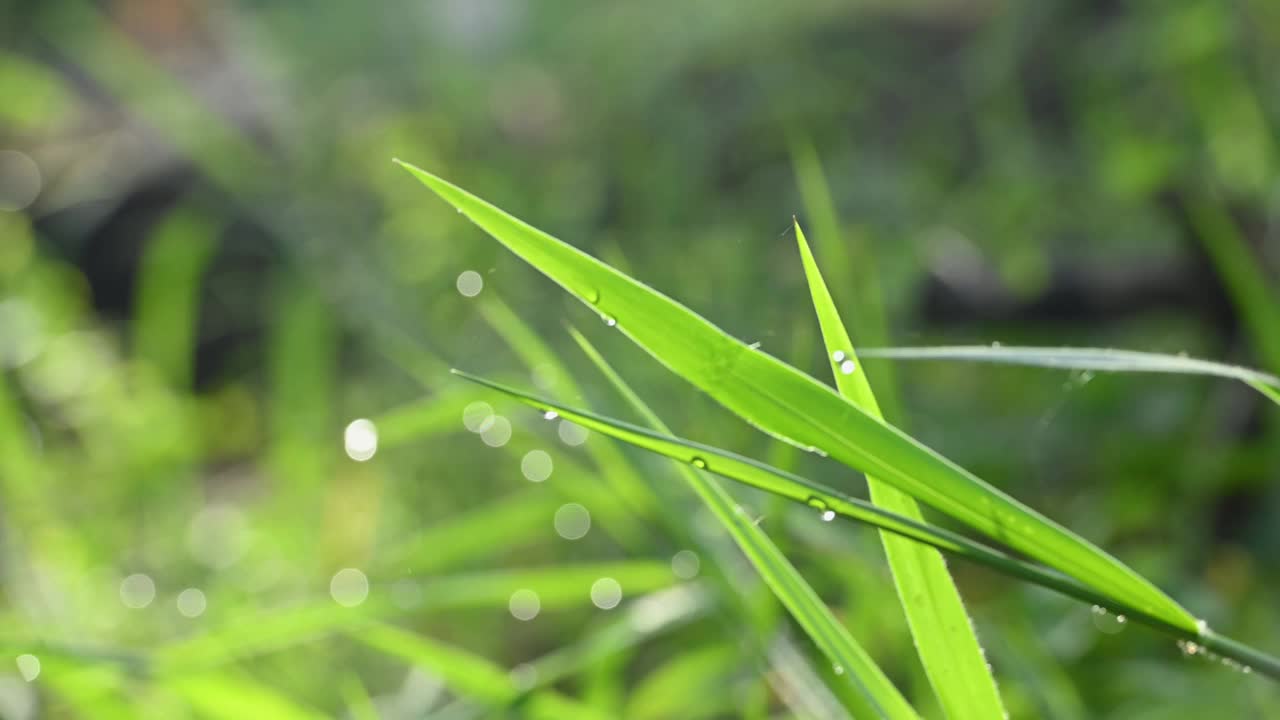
column 237, row 480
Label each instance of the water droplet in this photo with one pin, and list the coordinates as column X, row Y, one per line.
column 536, row 465
column 1202, row 627
column 192, row 602
column 847, row 367
column 1106, row 622
column 524, row 676
column 550, row 415
column 478, row 417
column 1246, row 669
column 995, row 343
column 610, row 321
column 606, row 593
column 498, row 432
column 838, row 669
column 572, row 521
column 349, row 587
column 592, row 295
column 29, row 667
column 838, row 356
column 1188, row 648
column 20, row 180
column 699, row 463
column 571, row 434
column 524, row 605
column 470, row 283
column 360, row 440
column 754, row 346
column 828, row 515
column 137, row 591
column 817, row 503
column 685, row 564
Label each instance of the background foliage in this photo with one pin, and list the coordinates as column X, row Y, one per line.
column 209, row 268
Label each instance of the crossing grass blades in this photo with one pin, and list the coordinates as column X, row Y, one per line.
column 844, row 424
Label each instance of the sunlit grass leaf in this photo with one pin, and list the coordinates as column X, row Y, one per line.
column 523, row 516
column 832, row 504
column 944, row 636
column 557, row 587
column 1090, row 359
column 789, row 404
column 779, row 574
column 678, row 688
column 226, row 697
column 463, row 672
column 537, row 357
column 472, row 676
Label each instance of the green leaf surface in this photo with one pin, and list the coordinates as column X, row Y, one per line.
column 832, row 504
column 1090, row 359
column 226, row 697
column 794, row 406
column 944, row 636
column 469, row 675
column 787, row 584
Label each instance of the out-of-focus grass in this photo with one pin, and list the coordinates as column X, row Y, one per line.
column 219, row 271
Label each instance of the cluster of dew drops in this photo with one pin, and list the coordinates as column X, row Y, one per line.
column 593, row 296
column 844, row 362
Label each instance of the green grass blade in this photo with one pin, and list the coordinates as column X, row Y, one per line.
column 537, row 356
column 1270, row 391
column 1083, row 358
column 782, row 400
column 166, row 308
column 465, row 673
column 224, row 697
column 468, row 536
column 831, row 504
column 1245, row 278
column 944, row 636
column 779, row 574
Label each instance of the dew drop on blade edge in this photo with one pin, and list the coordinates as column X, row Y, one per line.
column 699, row 463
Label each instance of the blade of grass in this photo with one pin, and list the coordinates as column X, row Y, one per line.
column 779, row 574
column 167, row 305
column 945, row 640
column 563, row 586
column 791, row 405
column 832, row 504
column 225, row 697
column 466, row 673
column 1081, row 358
column 536, row 355
column 678, row 688
column 523, row 516
column 1245, row 278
